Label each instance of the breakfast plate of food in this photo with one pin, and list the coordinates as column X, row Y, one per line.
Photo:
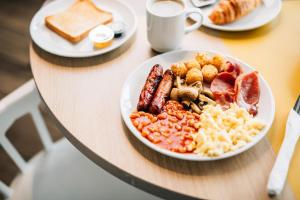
column 239, row 15
column 197, row 105
column 82, row 28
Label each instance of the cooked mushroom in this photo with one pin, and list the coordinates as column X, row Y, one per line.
column 207, row 92
column 186, row 92
column 174, row 95
column 206, row 99
column 178, row 81
column 195, row 108
column 198, row 85
column 186, row 103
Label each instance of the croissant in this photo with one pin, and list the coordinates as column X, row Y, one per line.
column 228, row 11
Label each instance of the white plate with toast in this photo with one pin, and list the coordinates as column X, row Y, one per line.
column 260, row 16
column 68, row 25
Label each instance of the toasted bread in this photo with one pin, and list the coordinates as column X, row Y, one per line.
column 75, row 23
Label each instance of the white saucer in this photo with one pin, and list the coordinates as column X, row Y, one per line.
column 55, row 44
column 257, row 18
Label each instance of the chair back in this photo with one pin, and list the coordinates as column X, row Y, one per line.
column 20, row 102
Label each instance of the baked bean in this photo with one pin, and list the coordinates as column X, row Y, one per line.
column 151, row 129
column 165, row 134
column 154, row 119
column 140, row 126
column 134, row 115
column 157, row 134
column 150, row 137
column 182, row 149
column 197, row 125
column 170, row 112
column 136, row 122
column 179, row 116
column 178, row 127
column 145, row 123
column 169, row 141
column 145, row 132
column 170, row 125
column 197, row 116
column 162, row 116
column 191, row 122
column 173, row 119
column 163, row 123
column 177, row 134
column 150, row 116
column 187, row 129
column 156, row 140
column 190, row 117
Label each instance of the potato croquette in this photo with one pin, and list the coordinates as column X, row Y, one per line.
column 192, row 64
column 202, row 59
column 193, row 75
column 219, row 62
column 179, row 69
column 209, row 72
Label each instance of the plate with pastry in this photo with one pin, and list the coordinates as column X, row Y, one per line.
column 239, row 15
column 197, row 105
column 82, row 28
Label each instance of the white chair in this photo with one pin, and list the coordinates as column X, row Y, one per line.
column 60, row 172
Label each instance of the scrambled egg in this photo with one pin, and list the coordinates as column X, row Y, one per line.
column 223, row 131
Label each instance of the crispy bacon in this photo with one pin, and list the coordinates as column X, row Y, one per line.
column 248, row 92
column 222, row 88
column 234, row 69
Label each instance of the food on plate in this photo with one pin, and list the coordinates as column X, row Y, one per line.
column 202, row 59
column 75, row 23
column 247, row 92
column 172, row 129
column 223, row 88
column 162, row 93
column 209, row 72
column 193, row 63
column 193, row 75
column 101, row 36
column 227, row 11
column 222, row 131
column 233, row 68
column 179, row 69
column 206, row 105
column 219, row 62
column 150, row 87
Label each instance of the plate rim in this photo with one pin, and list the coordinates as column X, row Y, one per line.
column 195, row 157
column 237, row 29
column 83, row 54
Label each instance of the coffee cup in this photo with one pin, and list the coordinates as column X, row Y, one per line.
column 166, row 23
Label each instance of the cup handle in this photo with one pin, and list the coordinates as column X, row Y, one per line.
column 197, row 24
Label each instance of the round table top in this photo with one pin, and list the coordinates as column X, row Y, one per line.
column 83, row 96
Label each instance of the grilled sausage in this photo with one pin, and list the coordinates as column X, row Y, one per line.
column 150, row 87
column 162, row 93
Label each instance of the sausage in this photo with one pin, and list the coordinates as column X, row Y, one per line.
column 162, row 93
column 150, row 87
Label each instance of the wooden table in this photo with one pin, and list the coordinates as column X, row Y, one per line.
column 83, row 96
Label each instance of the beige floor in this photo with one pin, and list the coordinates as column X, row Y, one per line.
column 15, row 16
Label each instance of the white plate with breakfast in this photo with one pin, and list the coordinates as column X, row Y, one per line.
column 239, row 15
column 82, row 28
column 197, row 105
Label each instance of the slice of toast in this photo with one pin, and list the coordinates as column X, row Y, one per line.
column 75, row 23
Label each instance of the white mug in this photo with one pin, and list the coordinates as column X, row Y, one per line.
column 165, row 33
